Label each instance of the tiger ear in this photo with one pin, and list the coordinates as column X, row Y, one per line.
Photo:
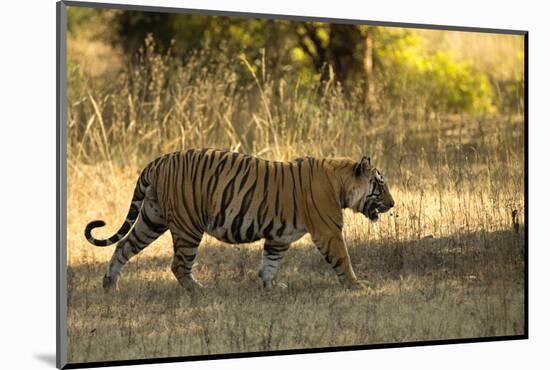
column 361, row 168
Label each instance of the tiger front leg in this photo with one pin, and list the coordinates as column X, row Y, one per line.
column 334, row 249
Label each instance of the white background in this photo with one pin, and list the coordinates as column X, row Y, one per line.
column 27, row 181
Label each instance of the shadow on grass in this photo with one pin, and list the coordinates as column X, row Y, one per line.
column 472, row 255
column 461, row 286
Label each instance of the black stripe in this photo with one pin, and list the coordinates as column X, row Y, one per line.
column 260, row 216
column 213, row 181
column 295, row 210
column 243, row 162
column 178, row 257
column 282, row 176
column 281, row 229
column 194, row 176
column 158, row 228
column 274, row 257
column 212, row 156
column 134, row 248
column 194, row 240
column 149, row 236
column 204, row 195
column 194, row 161
column 137, row 238
column 133, row 212
column 189, row 258
column 122, row 250
column 113, row 239
column 126, row 226
column 266, row 176
column 122, row 262
column 267, row 230
column 269, row 249
column 299, row 166
column 250, row 232
column 246, row 202
column 338, row 263
column 139, row 192
column 233, row 158
column 227, row 196
column 245, row 176
column 277, row 201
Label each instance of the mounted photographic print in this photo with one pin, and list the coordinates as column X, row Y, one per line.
column 235, row 185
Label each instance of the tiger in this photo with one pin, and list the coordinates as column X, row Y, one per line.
column 240, row 198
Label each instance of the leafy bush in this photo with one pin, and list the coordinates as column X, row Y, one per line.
column 430, row 81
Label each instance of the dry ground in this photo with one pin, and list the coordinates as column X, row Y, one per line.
column 465, row 285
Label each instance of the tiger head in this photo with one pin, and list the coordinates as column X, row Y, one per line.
column 369, row 193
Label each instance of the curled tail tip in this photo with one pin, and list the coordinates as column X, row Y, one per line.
column 88, row 233
column 94, row 224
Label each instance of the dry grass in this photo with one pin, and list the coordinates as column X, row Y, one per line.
column 446, row 263
column 457, row 287
column 462, row 286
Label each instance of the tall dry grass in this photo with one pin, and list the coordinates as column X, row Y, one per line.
column 446, row 263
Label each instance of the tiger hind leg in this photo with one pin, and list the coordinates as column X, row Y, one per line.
column 148, row 227
column 185, row 251
column 271, row 258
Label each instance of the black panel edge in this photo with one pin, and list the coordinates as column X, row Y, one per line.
column 290, row 352
column 213, row 12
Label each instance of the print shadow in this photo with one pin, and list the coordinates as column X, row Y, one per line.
column 46, row 358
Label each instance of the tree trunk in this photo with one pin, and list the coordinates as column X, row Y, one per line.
column 343, row 41
column 368, row 91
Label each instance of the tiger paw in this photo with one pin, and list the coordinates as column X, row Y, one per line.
column 109, row 284
column 359, row 285
column 195, row 285
column 268, row 285
column 189, row 282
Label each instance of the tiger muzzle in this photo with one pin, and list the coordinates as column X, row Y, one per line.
column 370, row 210
column 373, row 208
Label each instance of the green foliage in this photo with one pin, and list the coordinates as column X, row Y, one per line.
column 93, row 23
column 407, row 73
column 431, row 81
column 77, row 17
